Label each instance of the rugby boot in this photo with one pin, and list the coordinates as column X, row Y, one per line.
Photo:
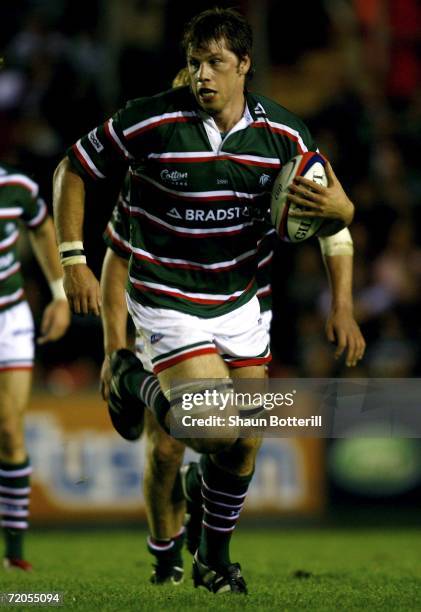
column 221, row 580
column 17, row 564
column 171, row 574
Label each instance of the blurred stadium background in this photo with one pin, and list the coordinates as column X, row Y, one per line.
column 352, row 70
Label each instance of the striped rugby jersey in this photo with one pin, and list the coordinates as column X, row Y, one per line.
column 117, row 238
column 197, row 203
column 19, row 202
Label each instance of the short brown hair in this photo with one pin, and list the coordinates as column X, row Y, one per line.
column 216, row 23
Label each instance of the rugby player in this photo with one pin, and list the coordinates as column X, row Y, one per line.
column 164, row 454
column 164, row 504
column 20, row 204
column 203, row 160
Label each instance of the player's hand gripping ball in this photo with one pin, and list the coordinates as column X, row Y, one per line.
column 311, row 166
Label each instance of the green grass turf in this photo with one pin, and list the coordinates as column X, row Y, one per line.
column 361, row 570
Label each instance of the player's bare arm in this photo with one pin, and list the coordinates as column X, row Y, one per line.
column 319, row 201
column 80, row 284
column 113, row 312
column 341, row 326
column 56, row 316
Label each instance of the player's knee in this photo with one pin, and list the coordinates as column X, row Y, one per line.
column 241, row 456
column 200, row 415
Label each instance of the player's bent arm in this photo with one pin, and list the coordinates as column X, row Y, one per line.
column 341, row 327
column 56, row 316
column 80, row 284
column 318, row 201
column 113, row 312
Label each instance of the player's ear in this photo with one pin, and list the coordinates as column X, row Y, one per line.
column 244, row 65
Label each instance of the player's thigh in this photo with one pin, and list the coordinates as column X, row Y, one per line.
column 161, row 448
column 207, row 366
column 176, row 382
column 249, row 372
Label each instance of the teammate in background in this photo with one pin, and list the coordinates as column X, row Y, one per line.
column 164, row 501
column 20, row 203
column 165, row 506
column 202, row 161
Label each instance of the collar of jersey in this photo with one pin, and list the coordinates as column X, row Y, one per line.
column 214, row 135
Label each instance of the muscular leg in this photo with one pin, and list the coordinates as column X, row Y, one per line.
column 226, row 477
column 209, row 366
column 153, row 393
column 165, row 505
column 164, row 455
column 240, row 458
column 14, row 465
column 227, row 472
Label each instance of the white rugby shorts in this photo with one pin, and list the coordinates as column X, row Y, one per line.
column 166, row 337
column 16, row 338
column 266, row 317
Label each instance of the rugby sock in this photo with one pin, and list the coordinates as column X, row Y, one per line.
column 145, row 386
column 167, row 551
column 14, row 500
column 223, row 498
column 192, row 487
column 194, row 483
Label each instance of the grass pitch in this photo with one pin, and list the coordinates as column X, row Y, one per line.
column 286, row 570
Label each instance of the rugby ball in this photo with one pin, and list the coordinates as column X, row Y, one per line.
column 311, row 166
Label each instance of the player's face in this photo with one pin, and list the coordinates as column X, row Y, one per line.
column 217, row 77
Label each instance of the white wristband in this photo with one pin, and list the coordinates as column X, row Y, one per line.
column 57, row 289
column 70, row 246
column 74, row 259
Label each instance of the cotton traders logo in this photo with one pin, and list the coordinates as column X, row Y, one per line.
column 174, row 177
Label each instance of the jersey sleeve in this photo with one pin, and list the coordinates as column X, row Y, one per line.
column 102, row 152
column 108, row 150
column 34, row 209
column 307, row 138
column 299, row 137
column 117, row 232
